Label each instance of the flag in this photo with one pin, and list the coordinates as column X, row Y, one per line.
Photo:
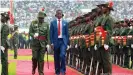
column 11, row 12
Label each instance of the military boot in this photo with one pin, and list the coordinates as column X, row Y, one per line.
column 40, row 68
column 34, row 66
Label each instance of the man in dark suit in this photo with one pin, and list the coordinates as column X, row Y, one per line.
column 59, row 39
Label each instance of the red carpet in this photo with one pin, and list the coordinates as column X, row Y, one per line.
column 117, row 70
column 25, row 67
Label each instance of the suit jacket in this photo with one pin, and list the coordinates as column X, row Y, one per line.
column 54, row 33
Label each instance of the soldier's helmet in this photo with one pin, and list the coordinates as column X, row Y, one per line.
column 41, row 14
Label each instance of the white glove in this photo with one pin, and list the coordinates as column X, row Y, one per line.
column 68, row 47
column 48, row 48
column 2, row 48
column 36, row 35
column 76, row 46
column 88, row 49
column 106, row 47
column 95, row 47
column 131, row 45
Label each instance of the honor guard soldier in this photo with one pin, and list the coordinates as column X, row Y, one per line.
column 15, row 40
column 4, row 42
column 39, row 31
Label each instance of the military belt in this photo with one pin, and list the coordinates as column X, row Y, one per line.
column 41, row 38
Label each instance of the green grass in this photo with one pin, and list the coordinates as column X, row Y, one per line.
column 12, row 68
column 10, row 51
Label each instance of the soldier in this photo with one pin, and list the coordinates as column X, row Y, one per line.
column 130, row 42
column 116, row 31
column 125, row 50
column 4, row 43
column 15, row 40
column 39, row 31
column 106, row 33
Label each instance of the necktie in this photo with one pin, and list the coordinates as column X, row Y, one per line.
column 58, row 27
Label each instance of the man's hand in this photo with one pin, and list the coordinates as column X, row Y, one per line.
column 52, row 46
column 36, row 35
column 106, row 47
column 2, row 48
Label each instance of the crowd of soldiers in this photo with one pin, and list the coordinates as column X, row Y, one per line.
column 97, row 41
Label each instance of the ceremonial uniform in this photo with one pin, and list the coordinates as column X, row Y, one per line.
column 40, row 38
column 4, row 44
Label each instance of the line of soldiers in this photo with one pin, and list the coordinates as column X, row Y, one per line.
column 122, row 51
column 92, row 41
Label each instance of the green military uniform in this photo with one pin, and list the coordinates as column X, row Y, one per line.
column 4, row 56
column 129, row 43
column 4, row 43
column 75, row 49
column 107, row 24
column 125, row 49
column 15, row 40
column 115, row 49
column 39, row 43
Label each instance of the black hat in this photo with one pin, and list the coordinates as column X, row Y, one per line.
column 6, row 15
